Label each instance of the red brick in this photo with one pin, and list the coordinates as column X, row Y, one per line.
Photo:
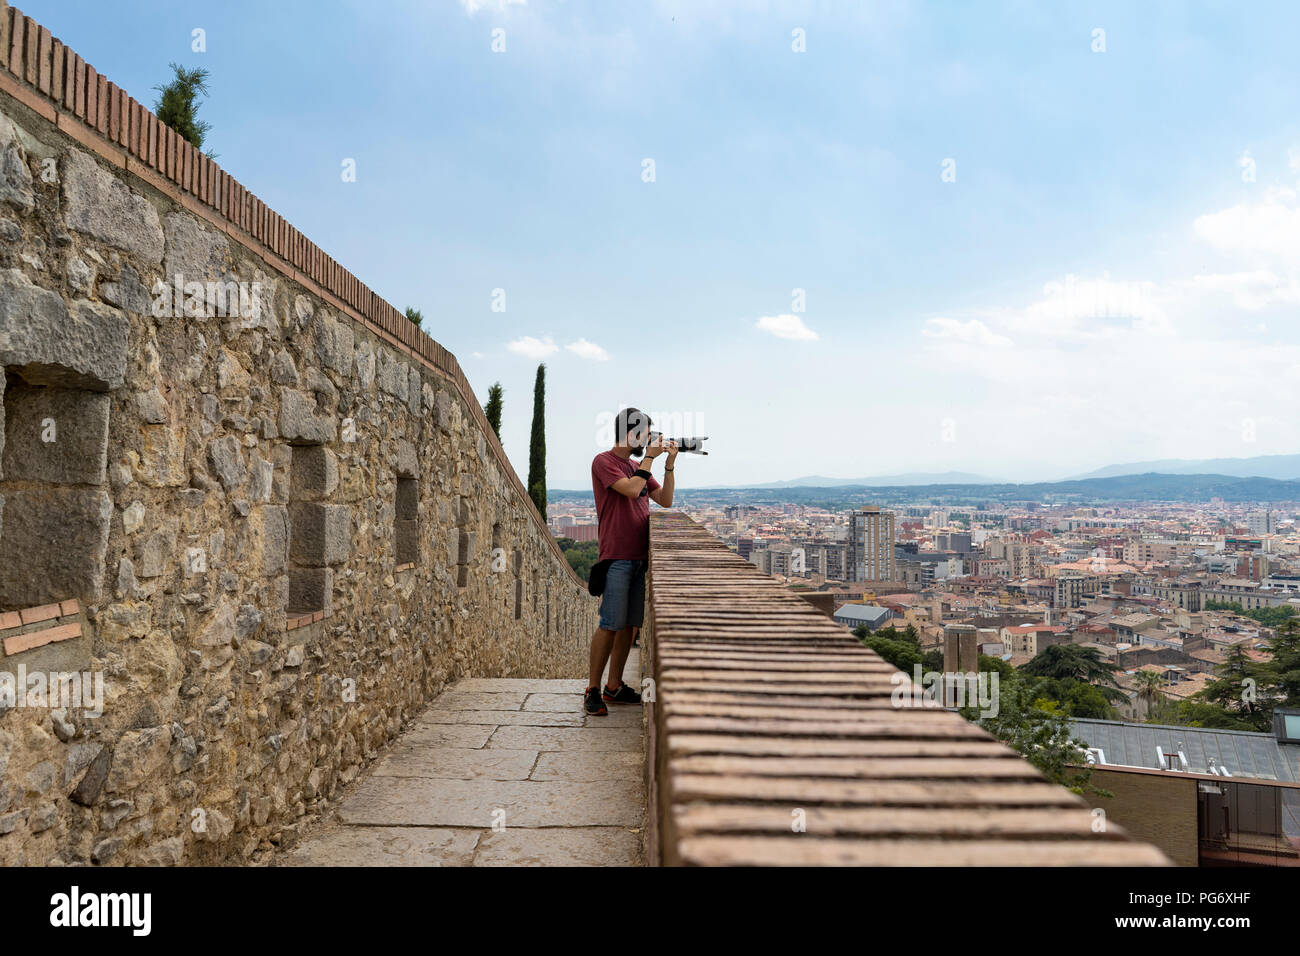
column 5, row 13
column 50, row 635
column 10, row 619
column 44, row 57
column 69, row 607
column 101, row 103
column 45, row 612
column 31, row 30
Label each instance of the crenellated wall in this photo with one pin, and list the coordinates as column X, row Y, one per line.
column 236, row 487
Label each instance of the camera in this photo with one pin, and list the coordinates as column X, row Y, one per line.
column 690, row 445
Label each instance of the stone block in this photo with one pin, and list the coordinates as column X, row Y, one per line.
column 55, row 435
column 53, row 545
column 311, row 589
column 50, row 343
column 314, row 473
column 333, row 341
column 302, row 421
column 392, row 374
column 319, row 534
column 408, row 541
column 227, row 461
column 271, row 537
column 98, row 204
column 194, row 252
column 408, row 462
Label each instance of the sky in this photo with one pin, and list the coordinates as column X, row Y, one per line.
column 1020, row 239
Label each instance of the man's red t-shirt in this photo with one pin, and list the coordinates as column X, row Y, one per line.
column 624, row 522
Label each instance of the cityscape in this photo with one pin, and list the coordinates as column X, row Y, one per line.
column 1166, row 598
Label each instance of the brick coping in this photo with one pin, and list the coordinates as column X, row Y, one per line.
column 48, row 77
column 768, row 714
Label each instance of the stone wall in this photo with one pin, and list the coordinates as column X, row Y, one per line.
column 271, row 524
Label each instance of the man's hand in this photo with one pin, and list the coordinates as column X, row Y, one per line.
column 651, row 450
column 672, row 453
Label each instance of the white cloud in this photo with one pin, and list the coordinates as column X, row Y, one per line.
column 1269, row 228
column 786, row 326
column 533, row 348
column 588, row 350
column 472, row 7
column 970, row 332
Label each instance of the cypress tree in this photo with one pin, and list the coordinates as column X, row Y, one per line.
column 493, row 409
column 177, row 105
column 537, row 445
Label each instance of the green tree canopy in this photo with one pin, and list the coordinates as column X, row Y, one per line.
column 177, row 105
column 493, row 408
column 537, row 445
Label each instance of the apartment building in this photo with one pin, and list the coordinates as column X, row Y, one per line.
column 871, row 545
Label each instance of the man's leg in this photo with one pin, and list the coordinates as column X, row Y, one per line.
column 601, row 642
column 635, row 614
column 618, row 658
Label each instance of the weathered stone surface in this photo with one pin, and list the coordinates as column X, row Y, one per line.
column 311, row 589
column 155, row 551
column 88, row 788
column 82, row 346
column 56, row 435
column 564, row 846
column 271, row 528
column 97, row 203
column 195, row 252
column 129, row 293
column 301, row 420
column 227, row 458
column 137, row 755
column 319, row 534
column 393, row 377
column 32, row 572
column 387, row 846
column 408, row 463
column 314, row 473
column 334, row 342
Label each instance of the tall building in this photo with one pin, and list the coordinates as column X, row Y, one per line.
column 871, row 545
column 1262, row 522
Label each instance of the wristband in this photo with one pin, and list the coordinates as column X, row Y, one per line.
column 642, row 473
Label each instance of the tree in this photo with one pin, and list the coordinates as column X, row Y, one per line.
column 537, row 445
column 1072, row 661
column 493, row 408
column 415, row 315
column 1039, row 730
column 1150, row 685
column 581, row 555
column 177, row 105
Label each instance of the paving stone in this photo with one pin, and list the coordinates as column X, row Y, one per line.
column 591, row 765
column 386, row 846
column 478, row 700
column 423, row 802
column 501, row 718
column 574, row 739
column 509, row 684
column 575, row 846
column 448, row 735
column 408, row 760
column 554, row 703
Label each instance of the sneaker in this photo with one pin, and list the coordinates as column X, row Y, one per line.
column 592, row 703
column 624, row 695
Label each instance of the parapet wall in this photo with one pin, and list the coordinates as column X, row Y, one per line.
column 239, row 493
column 777, row 739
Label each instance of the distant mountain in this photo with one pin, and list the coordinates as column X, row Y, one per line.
column 883, row 481
column 1282, row 467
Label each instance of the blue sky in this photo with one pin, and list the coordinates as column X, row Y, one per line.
column 1111, row 275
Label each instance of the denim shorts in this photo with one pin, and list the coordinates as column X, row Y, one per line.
column 623, row 603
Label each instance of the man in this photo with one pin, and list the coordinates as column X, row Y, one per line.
column 624, row 490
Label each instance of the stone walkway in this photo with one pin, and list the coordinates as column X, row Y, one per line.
column 498, row 772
